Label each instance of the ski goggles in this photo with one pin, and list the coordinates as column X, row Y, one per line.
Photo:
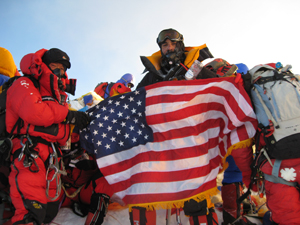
column 128, row 84
column 171, row 34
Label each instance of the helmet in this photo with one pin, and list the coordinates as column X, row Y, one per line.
column 127, row 79
column 171, row 34
column 242, row 68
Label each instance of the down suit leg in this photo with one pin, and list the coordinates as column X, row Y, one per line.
column 28, row 189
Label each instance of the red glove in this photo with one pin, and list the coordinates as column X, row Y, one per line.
column 238, row 78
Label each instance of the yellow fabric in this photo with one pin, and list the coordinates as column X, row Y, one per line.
column 179, row 203
column 192, row 53
column 7, row 63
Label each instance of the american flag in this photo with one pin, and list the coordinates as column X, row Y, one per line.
column 165, row 142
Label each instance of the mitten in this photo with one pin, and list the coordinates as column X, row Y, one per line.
column 79, row 119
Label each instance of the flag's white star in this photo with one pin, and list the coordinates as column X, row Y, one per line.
column 125, row 106
column 109, row 128
column 122, row 96
column 131, row 128
column 107, row 146
column 100, row 124
column 131, row 99
column 136, row 92
column 140, row 114
column 117, row 103
column 114, row 121
column 146, row 136
column 104, row 135
column 99, row 143
column 134, row 140
column 143, row 125
column 139, row 103
column 110, row 101
column 105, row 118
column 123, row 124
column 103, row 108
column 126, row 135
column 95, row 151
column 136, row 120
column 133, row 110
column 118, row 131
column 121, row 143
column 140, row 132
column 120, row 114
column 86, row 137
column 113, row 139
column 95, row 132
column 98, row 115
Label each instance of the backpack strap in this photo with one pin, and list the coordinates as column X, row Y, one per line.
column 274, row 177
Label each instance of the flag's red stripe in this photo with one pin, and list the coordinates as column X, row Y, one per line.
column 183, row 113
column 185, row 97
column 164, row 197
column 196, row 109
column 170, row 176
column 190, row 131
column 179, row 153
column 188, row 83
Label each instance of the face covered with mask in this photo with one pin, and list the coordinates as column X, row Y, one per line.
column 58, row 62
column 172, row 48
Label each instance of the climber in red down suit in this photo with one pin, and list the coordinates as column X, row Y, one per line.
column 39, row 117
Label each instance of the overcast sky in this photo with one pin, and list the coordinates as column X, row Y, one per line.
column 105, row 39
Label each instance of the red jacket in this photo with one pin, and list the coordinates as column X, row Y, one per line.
column 42, row 109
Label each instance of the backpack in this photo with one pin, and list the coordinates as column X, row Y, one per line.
column 221, row 67
column 275, row 95
column 5, row 137
column 100, row 89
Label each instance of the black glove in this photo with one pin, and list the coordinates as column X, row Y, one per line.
column 80, row 119
column 86, row 164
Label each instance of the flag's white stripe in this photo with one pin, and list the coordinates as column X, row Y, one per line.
column 188, row 89
column 250, row 129
column 174, row 106
column 250, row 132
column 169, row 145
column 203, row 98
column 191, row 122
column 168, row 187
column 163, row 166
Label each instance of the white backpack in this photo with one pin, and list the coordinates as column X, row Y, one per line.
column 276, row 99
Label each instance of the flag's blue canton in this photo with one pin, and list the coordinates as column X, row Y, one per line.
column 118, row 123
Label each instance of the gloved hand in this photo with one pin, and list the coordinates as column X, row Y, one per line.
column 79, row 119
column 86, row 164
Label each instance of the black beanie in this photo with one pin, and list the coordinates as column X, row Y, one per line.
column 55, row 55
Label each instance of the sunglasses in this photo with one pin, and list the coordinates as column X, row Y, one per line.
column 173, row 35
